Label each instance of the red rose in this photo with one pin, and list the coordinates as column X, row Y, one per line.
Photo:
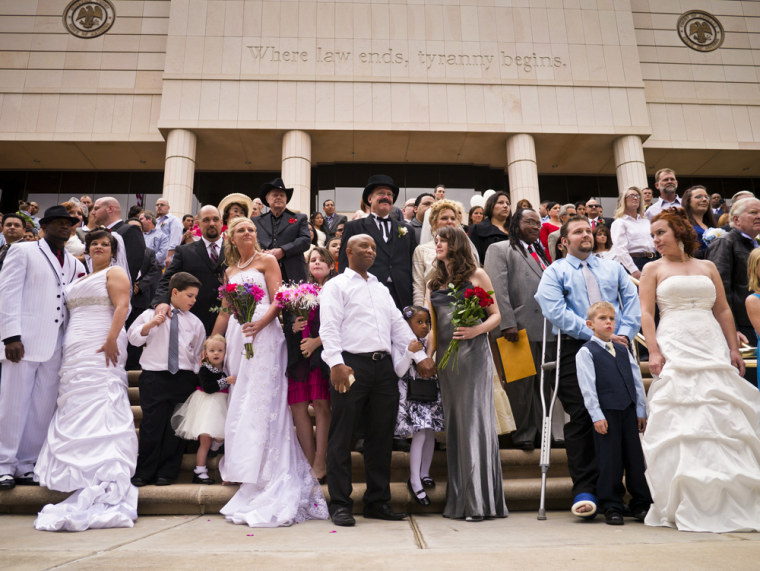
column 292, row 221
column 469, row 293
column 231, row 287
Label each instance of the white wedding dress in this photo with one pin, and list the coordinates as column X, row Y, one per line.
column 277, row 487
column 91, row 445
column 702, row 442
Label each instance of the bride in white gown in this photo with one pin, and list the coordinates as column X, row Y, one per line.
column 702, row 441
column 277, row 487
column 91, row 445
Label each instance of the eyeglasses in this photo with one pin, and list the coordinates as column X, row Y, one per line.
column 635, row 196
column 531, row 222
column 593, row 206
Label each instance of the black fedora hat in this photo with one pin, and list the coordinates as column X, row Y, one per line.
column 58, row 211
column 379, row 180
column 276, row 184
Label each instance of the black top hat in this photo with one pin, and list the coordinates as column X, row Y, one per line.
column 58, row 211
column 275, row 184
column 379, row 180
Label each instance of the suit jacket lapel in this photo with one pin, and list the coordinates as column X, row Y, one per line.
column 375, row 232
column 532, row 263
column 53, row 262
column 203, row 253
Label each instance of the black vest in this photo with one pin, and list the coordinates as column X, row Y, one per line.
column 615, row 386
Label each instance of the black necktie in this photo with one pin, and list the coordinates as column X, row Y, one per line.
column 385, row 226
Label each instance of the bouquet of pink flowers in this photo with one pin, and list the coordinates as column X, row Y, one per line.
column 468, row 311
column 298, row 298
column 242, row 300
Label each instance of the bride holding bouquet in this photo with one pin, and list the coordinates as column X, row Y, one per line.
column 277, row 487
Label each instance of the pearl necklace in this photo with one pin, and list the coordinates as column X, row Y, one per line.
column 247, row 262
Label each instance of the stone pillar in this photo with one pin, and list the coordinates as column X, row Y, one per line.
column 629, row 162
column 179, row 171
column 296, row 169
column 522, row 169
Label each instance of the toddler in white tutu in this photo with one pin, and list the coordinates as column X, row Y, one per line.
column 202, row 416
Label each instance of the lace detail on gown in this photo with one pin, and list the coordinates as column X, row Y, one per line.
column 702, row 442
column 91, row 445
column 261, row 450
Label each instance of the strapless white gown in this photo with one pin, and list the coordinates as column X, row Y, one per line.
column 91, row 446
column 702, row 442
column 262, row 452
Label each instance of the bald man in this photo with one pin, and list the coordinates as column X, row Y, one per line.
column 107, row 212
column 205, row 260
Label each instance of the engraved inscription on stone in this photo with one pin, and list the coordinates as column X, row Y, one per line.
column 700, row 31
column 89, row 18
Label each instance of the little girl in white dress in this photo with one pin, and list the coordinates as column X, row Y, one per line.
column 202, row 416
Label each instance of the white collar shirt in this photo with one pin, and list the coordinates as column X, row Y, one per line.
column 630, row 236
column 660, row 205
column 219, row 245
column 155, row 355
column 359, row 316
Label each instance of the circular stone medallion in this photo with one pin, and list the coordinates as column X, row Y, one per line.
column 700, row 31
column 89, row 18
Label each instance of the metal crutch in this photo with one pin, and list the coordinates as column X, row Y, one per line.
column 546, row 429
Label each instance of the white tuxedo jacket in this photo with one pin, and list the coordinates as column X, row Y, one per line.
column 32, row 303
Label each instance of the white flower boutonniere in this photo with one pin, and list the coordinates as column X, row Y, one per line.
column 402, row 231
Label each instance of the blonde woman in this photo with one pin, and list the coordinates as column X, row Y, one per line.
column 752, row 303
column 632, row 243
column 443, row 213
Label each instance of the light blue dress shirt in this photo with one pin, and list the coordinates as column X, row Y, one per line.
column 584, row 365
column 564, row 301
column 159, row 243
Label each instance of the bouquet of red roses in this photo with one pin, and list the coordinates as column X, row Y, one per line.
column 468, row 309
column 242, row 300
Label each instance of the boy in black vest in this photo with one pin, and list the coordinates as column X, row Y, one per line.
column 613, row 393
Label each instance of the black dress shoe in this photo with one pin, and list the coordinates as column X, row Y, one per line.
column 139, row 482
column 424, row 500
column 428, row 483
column 640, row 515
column 382, row 511
column 525, row 445
column 343, row 517
column 197, row 480
column 26, row 480
column 613, row 517
column 474, row 518
column 161, row 481
column 214, row 453
column 7, row 482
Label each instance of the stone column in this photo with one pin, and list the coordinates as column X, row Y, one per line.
column 179, row 171
column 629, row 162
column 522, row 169
column 296, row 169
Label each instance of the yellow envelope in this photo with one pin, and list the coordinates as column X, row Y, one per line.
column 516, row 358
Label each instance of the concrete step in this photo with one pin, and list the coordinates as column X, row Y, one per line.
column 183, row 498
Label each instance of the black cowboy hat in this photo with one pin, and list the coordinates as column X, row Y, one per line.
column 58, row 211
column 379, row 180
column 276, row 184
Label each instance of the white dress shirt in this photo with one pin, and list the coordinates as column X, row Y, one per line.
column 155, row 356
column 659, row 206
column 359, row 316
column 584, row 365
column 630, row 235
column 219, row 246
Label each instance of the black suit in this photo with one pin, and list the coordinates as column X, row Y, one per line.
column 330, row 229
column 606, row 221
column 394, row 258
column 134, row 246
column 193, row 258
column 293, row 237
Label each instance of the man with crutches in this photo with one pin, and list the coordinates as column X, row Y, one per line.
column 567, row 289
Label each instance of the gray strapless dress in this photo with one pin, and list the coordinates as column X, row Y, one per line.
column 475, row 485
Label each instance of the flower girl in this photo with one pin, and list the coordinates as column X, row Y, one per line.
column 201, row 417
column 420, row 413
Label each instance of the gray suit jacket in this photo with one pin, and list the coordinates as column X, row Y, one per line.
column 331, row 228
column 515, row 276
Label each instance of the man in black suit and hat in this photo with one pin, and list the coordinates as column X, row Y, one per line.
column 395, row 240
column 282, row 232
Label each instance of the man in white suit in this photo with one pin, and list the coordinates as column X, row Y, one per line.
column 32, row 319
